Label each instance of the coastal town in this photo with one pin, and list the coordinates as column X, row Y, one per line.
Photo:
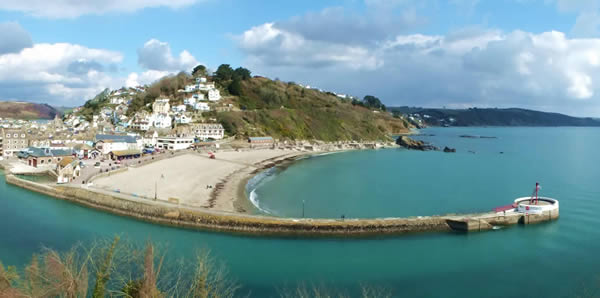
column 171, row 151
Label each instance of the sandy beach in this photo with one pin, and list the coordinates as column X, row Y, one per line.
column 194, row 180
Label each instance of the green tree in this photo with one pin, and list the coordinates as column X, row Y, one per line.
column 235, row 88
column 224, row 73
column 371, row 101
column 199, row 70
column 242, row 73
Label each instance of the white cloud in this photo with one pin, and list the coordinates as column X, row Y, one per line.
column 76, row 8
column 469, row 67
column 46, row 73
column 147, row 77
column 156, row 55
column 276, row 47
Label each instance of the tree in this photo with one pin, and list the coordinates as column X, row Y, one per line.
column 371, row 101
column 224, row 72
column 235, row 88
column 242, row 73
column 199, row 70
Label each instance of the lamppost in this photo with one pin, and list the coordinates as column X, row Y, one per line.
column 155, row 189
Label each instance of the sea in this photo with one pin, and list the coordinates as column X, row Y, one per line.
column 491, row 167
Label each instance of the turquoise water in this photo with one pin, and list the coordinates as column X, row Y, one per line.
column 553, row 260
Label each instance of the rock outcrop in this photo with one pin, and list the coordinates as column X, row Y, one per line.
column 449, row 150
column 411, row 144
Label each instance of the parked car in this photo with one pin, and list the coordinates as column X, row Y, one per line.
column 97, row 165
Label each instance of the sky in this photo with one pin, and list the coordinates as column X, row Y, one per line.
column 536, row 54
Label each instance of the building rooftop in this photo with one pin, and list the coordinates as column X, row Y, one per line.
column 115, row 138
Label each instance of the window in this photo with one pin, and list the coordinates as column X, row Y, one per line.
column 16, row 135
column 22, row 135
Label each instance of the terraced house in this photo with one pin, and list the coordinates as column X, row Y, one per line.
column 13, row 141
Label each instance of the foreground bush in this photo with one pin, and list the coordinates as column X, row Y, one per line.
column 116, row 269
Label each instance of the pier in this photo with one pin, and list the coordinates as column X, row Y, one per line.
column 521, row 212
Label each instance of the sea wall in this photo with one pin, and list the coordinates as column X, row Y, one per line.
column 264, row 225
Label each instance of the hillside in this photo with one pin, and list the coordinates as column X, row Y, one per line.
column 27, row 110
column 494, row 117
column 260, row 106
column 286, row 110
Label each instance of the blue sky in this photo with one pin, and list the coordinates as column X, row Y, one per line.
column 539, row 54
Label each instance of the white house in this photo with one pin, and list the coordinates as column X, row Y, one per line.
column 179, row 108
column 141, row 124
column 162, row 120
column 214, row 95
column 189, row 101
column 209, row 130
column 117, row 100
column 206, row 86
column 161, row 106
column 201, row 80
column 182, row 119
column 201, row 106
column 191, row 88
column 174, row 143
column 109, row 143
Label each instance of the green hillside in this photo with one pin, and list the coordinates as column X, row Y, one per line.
column 260, row 106
column 286, row 110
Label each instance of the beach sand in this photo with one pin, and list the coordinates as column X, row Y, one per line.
column 194, row 180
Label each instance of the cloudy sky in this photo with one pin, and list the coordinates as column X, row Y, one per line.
column 539, row 54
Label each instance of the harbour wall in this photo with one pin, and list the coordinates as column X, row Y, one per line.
column 264, row 225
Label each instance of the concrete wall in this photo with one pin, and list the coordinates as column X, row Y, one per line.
column 263, row 225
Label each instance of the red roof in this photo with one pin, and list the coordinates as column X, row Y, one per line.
column 505, row 208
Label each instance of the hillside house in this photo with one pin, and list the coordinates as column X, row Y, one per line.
column 191, row 88
column 161, row 106
column 182, row 119
column 201, row 106
column 179, row 108
column 214, row 95
column 162, row 121
column 206, row 131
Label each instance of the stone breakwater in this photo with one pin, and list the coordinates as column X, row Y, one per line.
column 263, row 225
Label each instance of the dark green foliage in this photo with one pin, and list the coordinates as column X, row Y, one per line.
column 224, row 73
column 373, row 102
column 242, row 73
column 199, row 70
column 235, row 88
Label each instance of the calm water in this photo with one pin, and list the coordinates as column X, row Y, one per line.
column 556, row 259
